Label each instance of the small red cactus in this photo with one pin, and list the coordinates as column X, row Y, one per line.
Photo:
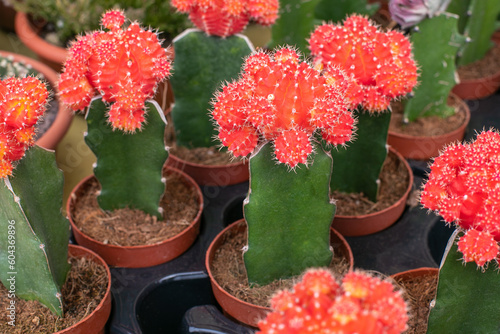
column 228, row 17
column 22, row 103
column 123, row 65
column 318, row 304
column 379, row 64
column 463, row 187
column 281, row 99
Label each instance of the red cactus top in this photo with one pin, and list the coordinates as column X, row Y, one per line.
column 379, row 63
column 22, row 103
column 463, row 187
column 228, row 17
column 318, row 304
column 281, row 99
column 123, row 65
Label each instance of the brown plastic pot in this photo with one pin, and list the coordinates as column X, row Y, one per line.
column 414, row 273
column 238, row 309
column 212, row 175
column 95, row 322
column 144, row 255
column 59, row 127
column 475, row 89
column 353, row 226
column 425, row 148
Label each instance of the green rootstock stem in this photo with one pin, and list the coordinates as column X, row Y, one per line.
column 34, row 234
column 357, row 167
column 338, row 10
column 467, row 299
column 129, row 165
column 289, row 214
column 202, row 64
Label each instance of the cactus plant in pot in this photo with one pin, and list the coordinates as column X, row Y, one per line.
column 129, row 190
column 220, row 53
column 38, row 270
column 433, row 116
column 376, row 67
column 278, row 112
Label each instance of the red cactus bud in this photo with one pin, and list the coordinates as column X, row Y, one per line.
column 463, row 188
column 318, row 304
column 123, row 65
column 22, row 103
column 281, row 99
column 227, row 17
column 380, row 63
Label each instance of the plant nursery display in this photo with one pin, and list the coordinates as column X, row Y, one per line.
column 431, row 104
column 126, row 133
column 35, row 236
column 220, row 52
column 376, row 67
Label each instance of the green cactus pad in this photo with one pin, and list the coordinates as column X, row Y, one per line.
column 356, row 168
column 288, row 214
column 294, row 25
column 202, row 64
column 437, row 68
column 467, row 298
column 338, row 10
column 41, row 237
column 129, row 165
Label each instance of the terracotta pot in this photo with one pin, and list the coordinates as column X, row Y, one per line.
column 59, row 127
column 413, row 273
column 144, row 255
column 242, row 311
column 353, row 226
column 424, row 148
column 212, row 175
column 95, row 322
column 49, row 54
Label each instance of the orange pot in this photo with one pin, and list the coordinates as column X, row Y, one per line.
column 59, row 127
column 95, row 321
column 475, row 89
column 212, row 175
column 353, row 226
column 412, row 273
column 144, row 255
column 238, row 309
column 425, row 148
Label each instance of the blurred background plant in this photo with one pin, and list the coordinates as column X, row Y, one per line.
column 68, row 18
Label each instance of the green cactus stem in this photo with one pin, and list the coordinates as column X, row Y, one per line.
column 197, row 76
column 467, row 299
column 288, row 214
column 477, row 23
column 35, row 235
column 338, row 10
column 294, row 25
column 356, row 168
column 129, row 165
column 437, row 68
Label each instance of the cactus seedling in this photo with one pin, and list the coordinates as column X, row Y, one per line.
column 34, row 242
column 379, row 68
column 220, row 52
column 125, row 129
column 274, row 112
column 462, row 187
column 319, row 304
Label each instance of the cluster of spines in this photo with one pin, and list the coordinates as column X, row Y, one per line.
column 123, row 65
column 379, row 64
column 228, row 17
column 22, row 103
column 464, row 188
column 281, row 99
column 318, row 304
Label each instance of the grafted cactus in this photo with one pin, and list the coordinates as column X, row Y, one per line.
column 462, row 187
column 11, row 68
column 219, row 55
column 377, row 67
column 319, row 304
column 35, row 235
column 126, row 129
column 275, row 111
